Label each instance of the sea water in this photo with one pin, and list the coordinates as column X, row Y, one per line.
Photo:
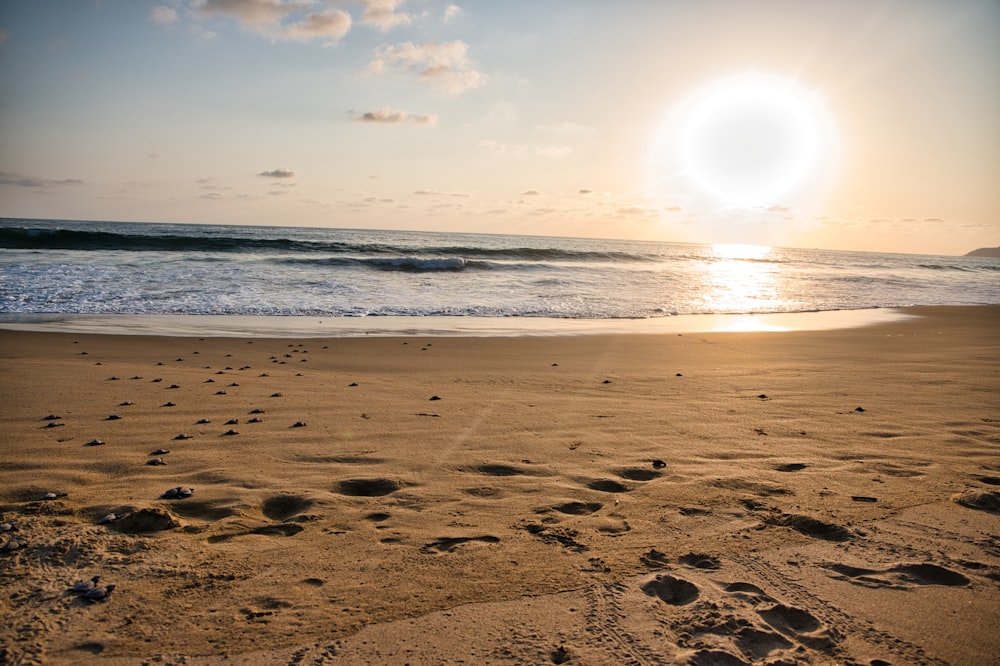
column 112, row 268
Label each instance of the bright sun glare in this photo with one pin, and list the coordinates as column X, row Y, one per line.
column 746, row 141
column 749, row 139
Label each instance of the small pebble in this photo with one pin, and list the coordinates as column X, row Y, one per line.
column 299, row 424
column 156, row 461
column 110, row 518
column 231, row 432
column 95, row 442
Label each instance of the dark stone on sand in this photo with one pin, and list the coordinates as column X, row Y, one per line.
column 100, row 593
column 659, row 464
column 232, row 422
column 169, row 404
column 435, row 397
column 53, row 424
column 95, row 442
column 112, row 417
column 51, row 417
column 231, row 432
column 859, row 409
column 299, row 424
column 863, row 498
column 183, row 436
column 257, row 411
column 156, row 461
column 790, row 467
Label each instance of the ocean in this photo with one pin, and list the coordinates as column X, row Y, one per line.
column 60, row 267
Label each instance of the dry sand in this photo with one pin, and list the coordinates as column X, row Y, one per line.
column 823, row 497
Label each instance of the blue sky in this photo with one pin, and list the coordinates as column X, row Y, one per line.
column 540, row 117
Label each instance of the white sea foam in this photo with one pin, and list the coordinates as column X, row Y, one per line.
column 153, row 269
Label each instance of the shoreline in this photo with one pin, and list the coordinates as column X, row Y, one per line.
column 826, row 497
column 264, row 326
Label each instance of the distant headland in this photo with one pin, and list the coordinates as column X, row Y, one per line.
column 985, row 252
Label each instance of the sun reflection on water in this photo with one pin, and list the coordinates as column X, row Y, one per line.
column 741, row 278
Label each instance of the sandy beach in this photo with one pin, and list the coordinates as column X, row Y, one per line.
column 803, row 497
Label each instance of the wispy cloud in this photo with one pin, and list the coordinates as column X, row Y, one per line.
column 383, row 15
column 18, row 180
column 445, row 65
column 277, row 173
column 552, row 151
column 387, row 116
column 463, row 195
column 280, row 20
column 452, row 12
column 163, row 15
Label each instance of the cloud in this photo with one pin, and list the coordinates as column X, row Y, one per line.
column 277, row 173
column 163, row 15
column 463, row 195
column 279, row 19
column 332, row 23
column 382, row 15
column 530, row 193
column 584, row 190
column 7, row 178
column 451, row 12
column 387, row 116
column 445, row 65
column 552, row 152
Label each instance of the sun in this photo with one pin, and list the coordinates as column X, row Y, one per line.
column 748, row 140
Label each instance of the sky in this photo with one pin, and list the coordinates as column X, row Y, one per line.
column 856, row 125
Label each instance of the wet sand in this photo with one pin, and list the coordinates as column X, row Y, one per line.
column 818, row 497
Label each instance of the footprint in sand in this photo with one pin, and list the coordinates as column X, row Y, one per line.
column 810, row 527
column 367, row 487
column 283, row 507
column 574, row 508
column 900, row 576
column 799, row 624
column 607, row 486
column 639, row 474
column 700, row 561
column 448, row 544
column 670, row 589
column 988, row 501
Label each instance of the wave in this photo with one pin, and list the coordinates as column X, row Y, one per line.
column 25, row 238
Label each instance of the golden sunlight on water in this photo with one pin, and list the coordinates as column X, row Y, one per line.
column 739, row 279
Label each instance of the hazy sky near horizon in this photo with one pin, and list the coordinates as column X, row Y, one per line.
column 870, row 125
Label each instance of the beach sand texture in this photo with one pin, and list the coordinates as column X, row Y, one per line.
column 824, row 497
